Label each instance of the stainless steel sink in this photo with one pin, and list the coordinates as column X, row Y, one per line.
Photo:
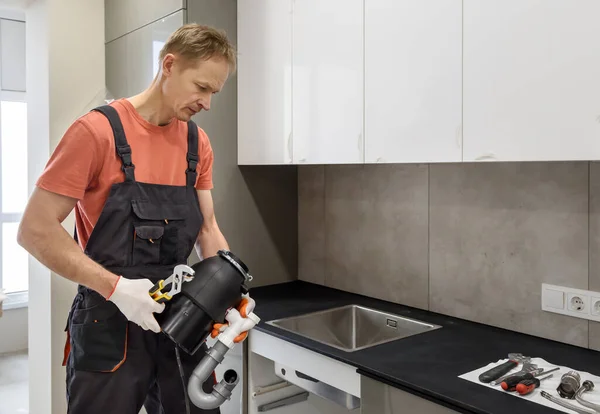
column 353, row 327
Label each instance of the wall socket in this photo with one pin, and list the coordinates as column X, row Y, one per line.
column 595, row 304
column 578, row 303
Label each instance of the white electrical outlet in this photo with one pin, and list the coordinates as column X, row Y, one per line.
column 595, row 306
column 572, row 302
column 577, row 303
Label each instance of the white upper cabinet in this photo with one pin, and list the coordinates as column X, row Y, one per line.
column 264, row 74
column 531, row 80
column 327, row 79
column 413, row 86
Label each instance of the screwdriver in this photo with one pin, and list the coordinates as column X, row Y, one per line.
column 528, row 385
column 510, row 383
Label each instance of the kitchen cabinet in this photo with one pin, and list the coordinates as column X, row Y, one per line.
column 264, row 75
column 531, row 90
column 273, row 361
column 300, row 82
column 380, row 398
column 276, row 367
column 413, row 81
column 132, row 60
column 124, row 17
column 327, row 82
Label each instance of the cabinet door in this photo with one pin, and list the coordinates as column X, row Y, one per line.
column 413, row 81
column 132, row 60
column 327, row 81
column 116, row 55
column 379, row 398
column 144, row 47
column 264, row 81
column 531, row 90
column 123, row 17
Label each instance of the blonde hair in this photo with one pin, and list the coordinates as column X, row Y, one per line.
column 199, row 42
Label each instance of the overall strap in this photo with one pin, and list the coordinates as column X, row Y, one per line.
column 192, row 154
column 123, row 148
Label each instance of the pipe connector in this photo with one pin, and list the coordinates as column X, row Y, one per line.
column 237, row 324
column 222, row 391
column 586, row 387
column 225, row 341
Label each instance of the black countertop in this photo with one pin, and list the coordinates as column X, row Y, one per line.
column 427, row 365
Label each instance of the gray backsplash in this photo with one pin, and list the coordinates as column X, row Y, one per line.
column 473, row 240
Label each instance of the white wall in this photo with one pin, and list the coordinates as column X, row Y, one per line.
column 65, row 71
column 13, row 330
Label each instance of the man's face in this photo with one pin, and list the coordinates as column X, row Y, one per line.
column 188, row 88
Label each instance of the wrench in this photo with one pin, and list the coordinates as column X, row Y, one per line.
column 181, row 273
column 499, row 370
column 527, row 367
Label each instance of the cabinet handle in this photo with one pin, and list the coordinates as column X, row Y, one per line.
column 360, row 144
column 306, row 377
column 488, row 157
column 289, row 148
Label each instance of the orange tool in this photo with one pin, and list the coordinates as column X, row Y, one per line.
column 528, row 385
column 510, row 383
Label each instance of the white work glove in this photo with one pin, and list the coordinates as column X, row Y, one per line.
column 132, row 297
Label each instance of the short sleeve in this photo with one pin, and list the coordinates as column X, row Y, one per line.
column 205, row 164
column 75, row 163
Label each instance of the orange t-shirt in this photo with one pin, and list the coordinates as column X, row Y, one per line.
column 85, row 163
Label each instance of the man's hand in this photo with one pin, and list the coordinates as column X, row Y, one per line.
column 210, row 239
column 133, row 299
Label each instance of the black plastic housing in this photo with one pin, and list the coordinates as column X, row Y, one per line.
column 218, row 285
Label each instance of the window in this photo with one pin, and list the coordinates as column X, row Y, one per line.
column 14, row 260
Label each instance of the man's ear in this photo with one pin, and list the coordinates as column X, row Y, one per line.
column 168, row 64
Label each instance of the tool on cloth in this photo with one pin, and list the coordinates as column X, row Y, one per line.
column 181, row 273
column 527, row 367
column 496, row 372
column 565, row 404
column 510, row 383
column 586, row 387
column 527, row 386
column 569, row 384
column 213, row 301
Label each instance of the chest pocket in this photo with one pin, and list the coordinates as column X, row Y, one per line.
column 158, row 233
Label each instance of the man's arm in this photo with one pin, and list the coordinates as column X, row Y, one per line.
column 43, row 236
column 210, row 239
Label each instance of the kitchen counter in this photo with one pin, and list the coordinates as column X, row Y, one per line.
column 428, row 364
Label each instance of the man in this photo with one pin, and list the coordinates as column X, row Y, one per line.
column 138, row 173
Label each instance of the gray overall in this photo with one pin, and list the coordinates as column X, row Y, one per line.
column 144, row 231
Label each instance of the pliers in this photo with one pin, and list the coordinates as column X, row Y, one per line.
column 181, row 273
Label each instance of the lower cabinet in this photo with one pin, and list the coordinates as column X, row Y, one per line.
column 380, row 398
column 284, row 378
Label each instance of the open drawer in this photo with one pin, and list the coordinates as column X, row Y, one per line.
column 325, row 377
